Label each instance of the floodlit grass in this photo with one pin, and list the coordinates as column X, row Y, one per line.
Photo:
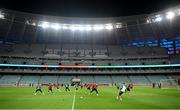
column 139, row 98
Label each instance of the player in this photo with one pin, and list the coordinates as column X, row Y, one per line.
column 94, row 88
column 81, row 85
column 76, row 87
column 130, row 87
column 67, row 87
column 58, row 87
column 88, row 88
column 118, row 86
column 38, row 88
column 121, row 91
column 153, row 85
column 50, row 86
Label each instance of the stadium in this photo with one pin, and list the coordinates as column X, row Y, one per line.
column 142, row 50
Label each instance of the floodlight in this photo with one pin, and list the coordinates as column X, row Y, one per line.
column 109, row 26
column 72, row 27
column 30, row 22
column 170, row 15
column 65, row 27
column 88, row 28
column 44, row 25
column 34, row 24
column 79, row 27
column 118, row 25
column 55, row 26
column 158, row 18
column 148, row 21
column 98, row 27
column 1, row 16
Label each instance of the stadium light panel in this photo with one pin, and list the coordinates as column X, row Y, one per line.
column 1, row 16
column 98, row 27
column 72, row 27
column 64, row 27
column 34, row 24
column 88, row 28
column 170, row 15
column 109, row 26
column 79, row 27
column 30, row 22
column 148, row 21
column 118, row 25
column 158, row 18
column 55, row 26
column 45, row 25
column 178, row 13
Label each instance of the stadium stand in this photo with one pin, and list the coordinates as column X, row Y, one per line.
column 99, row 79
column 30, row 53
column 120, row 79
column 9, row 79
column 27, row 79
column 139, row 80
column 87, row 79
column 48, row 79
column 103, row 79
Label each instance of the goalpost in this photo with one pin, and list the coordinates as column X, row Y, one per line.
column 169, row 84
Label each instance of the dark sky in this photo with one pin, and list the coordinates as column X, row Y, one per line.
column 89, row 8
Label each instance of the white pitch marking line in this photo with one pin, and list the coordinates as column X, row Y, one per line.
column 74, row 100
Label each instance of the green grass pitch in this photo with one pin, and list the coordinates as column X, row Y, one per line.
column 139, row 98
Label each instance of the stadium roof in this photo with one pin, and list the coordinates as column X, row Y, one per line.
column 89, row 8
column 154, row 29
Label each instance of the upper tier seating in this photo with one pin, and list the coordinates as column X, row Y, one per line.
column 88, row 51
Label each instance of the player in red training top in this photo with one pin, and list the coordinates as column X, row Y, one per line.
column 50, row 86
column 88, row 87
column 94, row 88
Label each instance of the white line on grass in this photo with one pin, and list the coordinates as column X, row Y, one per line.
column 74, row 100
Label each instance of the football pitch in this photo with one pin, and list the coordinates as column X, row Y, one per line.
column 139, row 98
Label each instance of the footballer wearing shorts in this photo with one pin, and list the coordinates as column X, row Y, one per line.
column 67, row 87
column 121, row 91
column 38, row 88
column 88, row 88
column 50, row 86
column 94, row 88
column 76, row 87
column 130, row 86
column 58, row 87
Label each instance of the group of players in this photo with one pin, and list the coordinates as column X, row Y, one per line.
column 90, row 88
column 50, row 88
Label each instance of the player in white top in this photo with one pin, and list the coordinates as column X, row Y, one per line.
column 121, row 91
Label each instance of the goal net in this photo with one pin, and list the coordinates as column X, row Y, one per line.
column 169, row 83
